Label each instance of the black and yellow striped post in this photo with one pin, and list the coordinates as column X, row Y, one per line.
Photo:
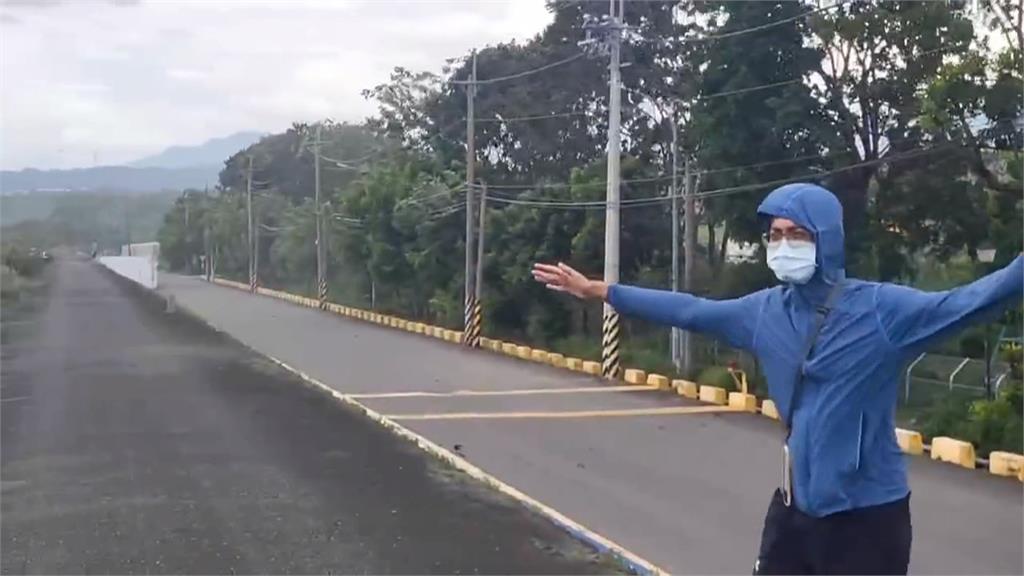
column 322, row 294
column 472, row 322
column 253, row 283
column 610, row 344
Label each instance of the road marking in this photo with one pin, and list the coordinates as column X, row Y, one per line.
column 634, row 563
column 525, row 392
column 15, row 398
column 667, row 411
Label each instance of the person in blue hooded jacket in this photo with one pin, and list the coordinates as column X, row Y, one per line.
column 841, row 345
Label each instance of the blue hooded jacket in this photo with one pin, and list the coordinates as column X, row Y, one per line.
column 843, row 443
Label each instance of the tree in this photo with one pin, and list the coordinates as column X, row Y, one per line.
column 777, row 129
column 181, row 234
column 283, row 163
column 877, row 57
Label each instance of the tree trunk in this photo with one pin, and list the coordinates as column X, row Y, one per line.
column 725, row 243
column 711, row 244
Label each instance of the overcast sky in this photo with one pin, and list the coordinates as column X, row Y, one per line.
column 107, row 81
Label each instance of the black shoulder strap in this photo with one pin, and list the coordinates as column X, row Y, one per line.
column 819, row 321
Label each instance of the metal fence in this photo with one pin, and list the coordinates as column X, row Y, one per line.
column 932, row 377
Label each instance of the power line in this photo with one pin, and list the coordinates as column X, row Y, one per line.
column 668, row 176
column 348, row 163
column 751, row 89
column 277, row 228
column 536, row 117
column 554, row 64
column 729, row 34
column 717, row 94
column 754, row 88
column 362, row 158
column 439, row 214
column 895, row 158
column 640, row 202
column 772, row 24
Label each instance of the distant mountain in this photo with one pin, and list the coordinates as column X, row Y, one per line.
column 176, row 168
column 111, row 178
column 214, row 151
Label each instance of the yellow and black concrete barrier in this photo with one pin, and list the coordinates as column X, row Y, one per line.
column 472, row 322
column 610, row 344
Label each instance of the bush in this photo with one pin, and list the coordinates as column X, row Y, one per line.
column 972, row 345
column 996, row 424
column 1014, row 356
column 717, row 376
column 944, row 418
column 23, row 262
column 987, row 425
column 586, row 347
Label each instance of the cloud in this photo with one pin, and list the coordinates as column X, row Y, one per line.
column 186, row 74
column 127, row 83
column 53, row 3
column 31, row 3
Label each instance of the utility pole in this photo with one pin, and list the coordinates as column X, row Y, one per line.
column 128, row 231
column 610, row 324
column 480, row 242
column 689, row 255
column 206, row 252
column 676, row 338
column 188, row 249
column 249, row 234
column 207, row 259
column 470, row 335
column 256, row 247
column 321, row 277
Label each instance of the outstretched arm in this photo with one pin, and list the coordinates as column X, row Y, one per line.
column 913, row 320
column 734, row 321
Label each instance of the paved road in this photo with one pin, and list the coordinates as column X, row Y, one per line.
column 139, row 442
column 688, row 491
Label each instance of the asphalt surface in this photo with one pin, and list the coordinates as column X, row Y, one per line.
column 135, row 441
column 687, row 492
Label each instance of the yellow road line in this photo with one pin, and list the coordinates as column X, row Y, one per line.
column 526, row 392
column 633, row 562
column 668, row 411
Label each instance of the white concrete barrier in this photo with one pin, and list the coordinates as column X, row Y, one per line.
column 149, row 250
column 138, row 269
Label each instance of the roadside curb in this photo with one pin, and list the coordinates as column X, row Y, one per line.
column 950, row 451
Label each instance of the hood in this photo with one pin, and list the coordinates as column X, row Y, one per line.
column 819, row 211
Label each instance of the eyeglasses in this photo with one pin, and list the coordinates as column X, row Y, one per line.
column 795, row 234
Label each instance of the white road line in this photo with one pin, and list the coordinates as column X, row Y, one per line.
column 15, row 398
column 634, row 562
column 568, row 414
column 525, row 392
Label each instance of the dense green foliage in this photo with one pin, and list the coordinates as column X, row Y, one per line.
column 906, row 110
column 44, row 220
column 21, row 270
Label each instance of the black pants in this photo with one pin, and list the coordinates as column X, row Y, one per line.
column 873, row 540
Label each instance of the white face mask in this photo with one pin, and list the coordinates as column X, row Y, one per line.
column 792, row 261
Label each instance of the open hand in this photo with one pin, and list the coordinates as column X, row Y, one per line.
column 562, row 278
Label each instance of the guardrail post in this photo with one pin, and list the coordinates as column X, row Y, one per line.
column 999, row 381
column 957, row 371
column 906, row 392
